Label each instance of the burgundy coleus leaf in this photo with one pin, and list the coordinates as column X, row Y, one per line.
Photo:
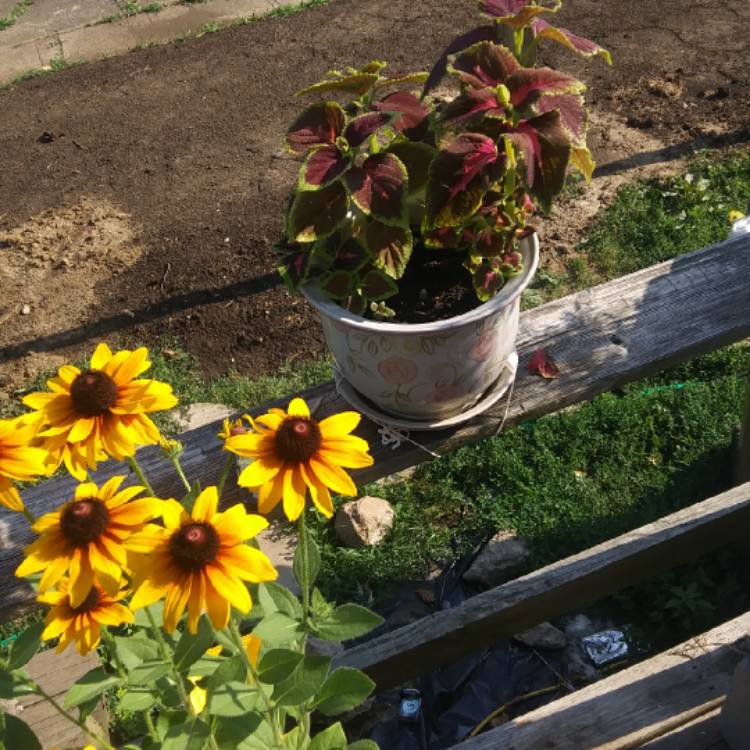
column 362, row 127
column 323, row 165
column 338, row 284
column 417, row 158
column 294, row 265
column 541, row 363
column 413, row 113
column 376, row 285
column 483, row 64
column 481, row 33
column 572, row 114
column 553, row 157
column 378, row 188
column 316, row 125
column 583, row 46
column 351, row 256
column 445, row 238
column 526, row 85
column 472, row 104
column 516, row 13
column 487, row 278
column 317, row 213
column 455, row 187
column 390, row 246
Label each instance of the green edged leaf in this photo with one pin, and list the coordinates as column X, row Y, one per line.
column 322, row 166
column 316, row 125
column 581, row 159
column 344, row 690
column 483, row 64
column 362, row 127
column 318, row 213
column 358, row 83
column 363, row 745
column 411, row 113
column 390, row 246
column 376, row 285
column 295, row 265
column 94, row 683
column 304, row 682
column 26, row 646
column 347, row 621
column 517, row 13
column 417, row 158
column 232, row 699
column 338, row 285
column 583, row 46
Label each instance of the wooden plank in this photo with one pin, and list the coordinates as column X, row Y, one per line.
column 702, row 733
column 601, row 338
column 635, row 706
column 549, row 592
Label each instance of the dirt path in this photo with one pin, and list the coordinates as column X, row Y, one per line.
column 140, row 196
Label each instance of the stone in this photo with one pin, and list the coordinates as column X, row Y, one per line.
column 364, row 522
column 501, row 559
column 579, row 626
column 199, row 414
column 545, row 636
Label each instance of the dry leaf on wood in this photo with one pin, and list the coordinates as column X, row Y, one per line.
column 542, row 364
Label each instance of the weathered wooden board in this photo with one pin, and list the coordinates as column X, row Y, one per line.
column 600, row 338
column 702, row 733
column 635, row 706
column 549, row 592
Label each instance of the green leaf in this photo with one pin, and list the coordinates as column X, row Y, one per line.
column 417, row 158
column 344, row 690
column 17, row 735
column 318, row 213
column 136, row 649
column 347, row 621
column 379, row 187
column 304, row 682
column 233, row 669
column 321, row 608
column 148, row 672
column 363, row 745
column 191, row 647
column 332, row 738
column 276, row 628
column 26, row 646
column 307, row 550
column 277, row 664
column 206, row 666
column 190, row 735
column 232, row 699
column 137, row 699
column 376, row 285
column 261, row 739
column 391, row 247
column 93, row 683
column 231, row 734
column 157, row 610
column 276, row 598
column 13, row 685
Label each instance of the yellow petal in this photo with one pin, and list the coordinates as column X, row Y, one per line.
column 298, row 408
column 259, row 472
column 235, row 525
column 339, row 424
column 248, row 563
column 56, row 625
column 229, row 587
column 110, row 487
column 174, row 514
column 295, row 492
column 319, row 493
column 86, row 490
column 81, row 430
column 174, row 604
column 346, row 458
column 205, row 505
column 270, row 493
column 331, row 476
column 101, row 356
column 217, row 607
column 81, row 577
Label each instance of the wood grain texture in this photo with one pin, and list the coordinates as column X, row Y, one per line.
column 702, row 733
column 600, row 338
column 635, row 706
column 554, row 590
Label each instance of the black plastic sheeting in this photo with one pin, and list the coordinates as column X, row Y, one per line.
column 458, row 697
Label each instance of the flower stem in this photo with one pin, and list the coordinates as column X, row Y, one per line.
column 100, row 741
column 175, row 461
column 225, row 473
column 112, row 648
column 268, row 711
column 29, row 516
column 136, row 467
column 303, row 543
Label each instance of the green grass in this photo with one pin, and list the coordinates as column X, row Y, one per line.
column 55, row 65
column 18, row 10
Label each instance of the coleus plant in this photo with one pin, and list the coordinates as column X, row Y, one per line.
column 389, row 175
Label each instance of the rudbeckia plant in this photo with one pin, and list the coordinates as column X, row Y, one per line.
column 175, row 595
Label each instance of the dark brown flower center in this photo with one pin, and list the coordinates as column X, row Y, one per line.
column 93, row 393
column 83, row 521
column 89, row 603
column 194, row 546
column 298, row 439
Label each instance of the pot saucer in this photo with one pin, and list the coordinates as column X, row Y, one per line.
column 491, row 396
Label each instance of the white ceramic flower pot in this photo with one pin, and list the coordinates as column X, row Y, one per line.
column 427, row 371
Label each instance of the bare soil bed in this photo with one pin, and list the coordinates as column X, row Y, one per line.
column 140, row 195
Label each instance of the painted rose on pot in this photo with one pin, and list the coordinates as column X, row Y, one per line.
column 483, row 346
column 398, row 370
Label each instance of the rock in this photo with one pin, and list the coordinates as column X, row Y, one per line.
column 197, row 415
column 544, row 636
column 579, row 626
column 364, row 522
column 26, row 310
column 500, row 560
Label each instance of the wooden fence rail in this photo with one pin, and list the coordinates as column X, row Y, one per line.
column 600, row 338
